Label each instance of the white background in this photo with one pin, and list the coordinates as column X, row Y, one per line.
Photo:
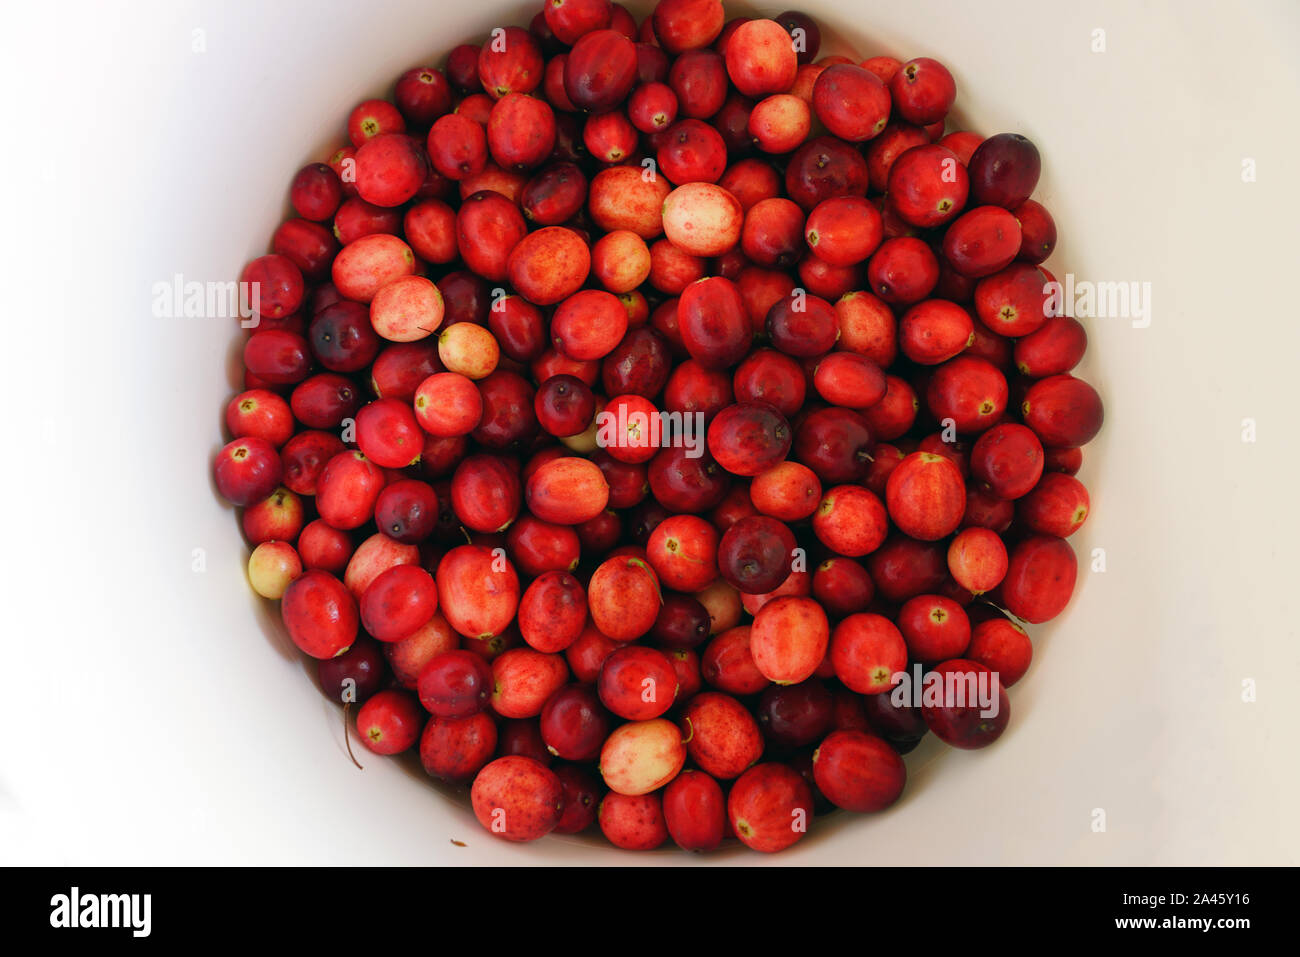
column 157, row 715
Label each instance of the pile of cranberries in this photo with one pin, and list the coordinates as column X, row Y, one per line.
column 453, row 466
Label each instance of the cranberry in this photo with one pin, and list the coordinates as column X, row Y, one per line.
column 928, row 186
column 969, row 391
column 847, row 379
column 714, row 324
column 934, row 331
column 600, row 71
column 923, row 91
column 486, row 493
column 851, row 520
column 851, row 102
column 866, row 652
column 637, row 683
column 683, row 551
column 455, row 684
column 926, row 496
column 884, row 150
column 844, row 230
column 316, row 192
column 694, row 810
column 390, row 722
column 977, row 559
column 570, row 20
column 552, row 612
column 309, row 246
column 793, row 716
column 858, row 771
column 748, row 438
column 355, row 675
column 478, row 593
column 779, row 123
column 773, row 233
column 1037, row 231
column 623, row 596
column 508, row 420
column 682, row 622
column 771, row 378
column 517, row 798
column 1008, row 459
column 787, row 491
column 789, row 639
column 903, row 271
column 567, row 491
column 682, row 25
column 277, row 357
column 973, row 708
column 805, row 35
column 390, row 169
column 724, row 738
column 448, row 404
column 248, row 470
column 755, row 554
column 1063, row 411
column 769, row 807
column 573, row 723
column 699, row 80
column 1040, row 578
column 422, row 95
column 374, row 118
column 1004, row 170
column 320, row 614
column 982, row 241
column 632, row 822
column 652, row 107
column 823, row 168
column 398, row 602
column 835, row 444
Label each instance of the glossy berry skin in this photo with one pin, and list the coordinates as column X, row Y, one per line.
column 455, row 684
column 248, row 470
column 748, row 438
column 755, row 554
column 354, row 675
column 637, row 683
column 858, row 771
column 769, row 807
column 398, row 602
column 390, row 722
column 574, row 724
column 407, row 511
column 695, row 811
column 923, row 91
column 1004, row 170
column 320, row 614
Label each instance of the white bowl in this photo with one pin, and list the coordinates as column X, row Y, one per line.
column 165, row 718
